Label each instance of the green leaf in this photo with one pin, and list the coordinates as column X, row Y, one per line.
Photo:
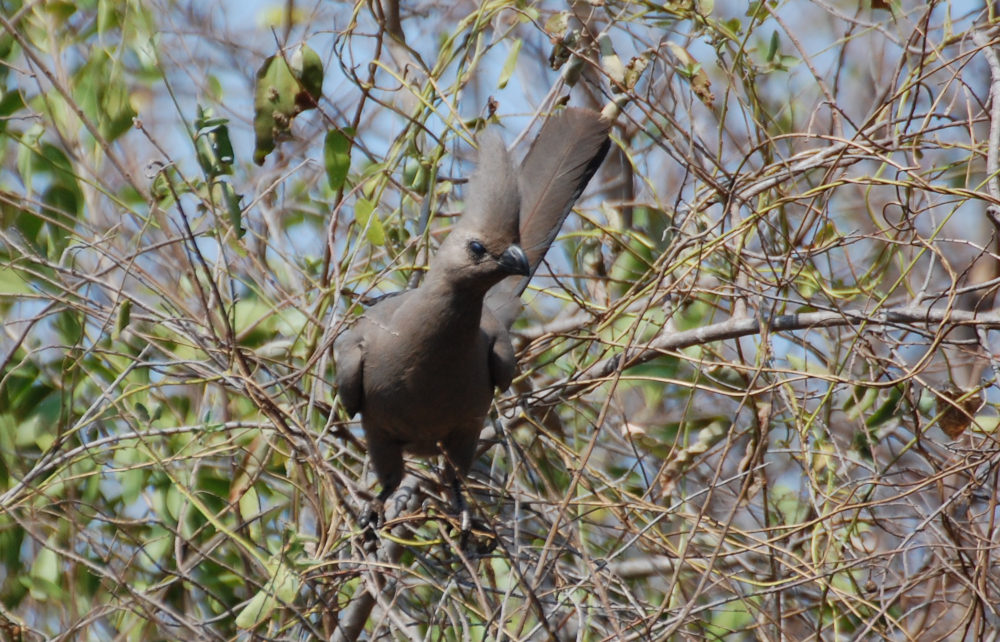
column 307, row 67
column 13, row 283
column 108, row 16
column 99, row 89
column 69, row 324
column 510, row 63
column 10, row 103
column 731, row 28
column 757, row 10
column 273, row 105
column 213, row 89
column 337, row 156
column 224, row 195
column 223, row 146
column 557, row 24
column 692, row 70
column 46, row 566
column 862, row 399
column 165, row 183
column 159, row 544
column 773, row 47
column 61, row 10
column 784, row 63
column 284, row 90
column 124, row 315
column 364, row 214
column 174, row 502
column 62, row 197
column 887, row 410
column 132, row 483
column 6, row 45
column 62, row 205
column 282, row 588
column 10, row 546
column 249, row 507
column 27, row 222
column 213, row 147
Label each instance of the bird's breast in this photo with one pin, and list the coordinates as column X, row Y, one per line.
column 426, row 382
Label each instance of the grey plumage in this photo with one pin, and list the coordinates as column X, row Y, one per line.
column 560, row 162
column 421, row 366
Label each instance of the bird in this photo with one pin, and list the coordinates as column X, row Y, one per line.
column 422, row 366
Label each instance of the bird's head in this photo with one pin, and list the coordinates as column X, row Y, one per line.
column 476, row 261
column 483, row 247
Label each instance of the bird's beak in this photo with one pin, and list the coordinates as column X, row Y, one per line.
column 514, row 261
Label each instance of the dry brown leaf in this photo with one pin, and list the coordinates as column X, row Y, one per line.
column 957, row 412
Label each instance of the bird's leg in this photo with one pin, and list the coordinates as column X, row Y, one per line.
column 374, row 514
column 469, row 525
column 459, row 451
column 461, row 507
column 386, row 457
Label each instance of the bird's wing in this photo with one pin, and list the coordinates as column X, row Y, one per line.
column 349, row 351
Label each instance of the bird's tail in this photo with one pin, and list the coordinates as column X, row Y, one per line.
column 561, row 161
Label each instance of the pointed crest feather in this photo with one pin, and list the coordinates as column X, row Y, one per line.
column 492, row 196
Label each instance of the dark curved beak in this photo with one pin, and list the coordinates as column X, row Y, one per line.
column 514, row 261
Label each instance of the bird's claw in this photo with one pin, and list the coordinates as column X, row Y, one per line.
column 476, row 536
column 372, row 520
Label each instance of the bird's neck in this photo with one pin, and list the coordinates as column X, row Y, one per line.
column 462, row 307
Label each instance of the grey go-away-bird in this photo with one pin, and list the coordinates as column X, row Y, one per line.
column 421, row 366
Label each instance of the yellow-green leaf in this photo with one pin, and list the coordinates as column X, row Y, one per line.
column 364, row 213
column 282, row 588
column 510, row 64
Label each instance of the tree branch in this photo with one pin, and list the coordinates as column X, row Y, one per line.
column 666, row 342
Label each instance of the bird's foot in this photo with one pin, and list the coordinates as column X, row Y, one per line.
column 372, row 519
column 476, row 536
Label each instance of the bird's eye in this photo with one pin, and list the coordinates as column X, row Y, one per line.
column 477, row 248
